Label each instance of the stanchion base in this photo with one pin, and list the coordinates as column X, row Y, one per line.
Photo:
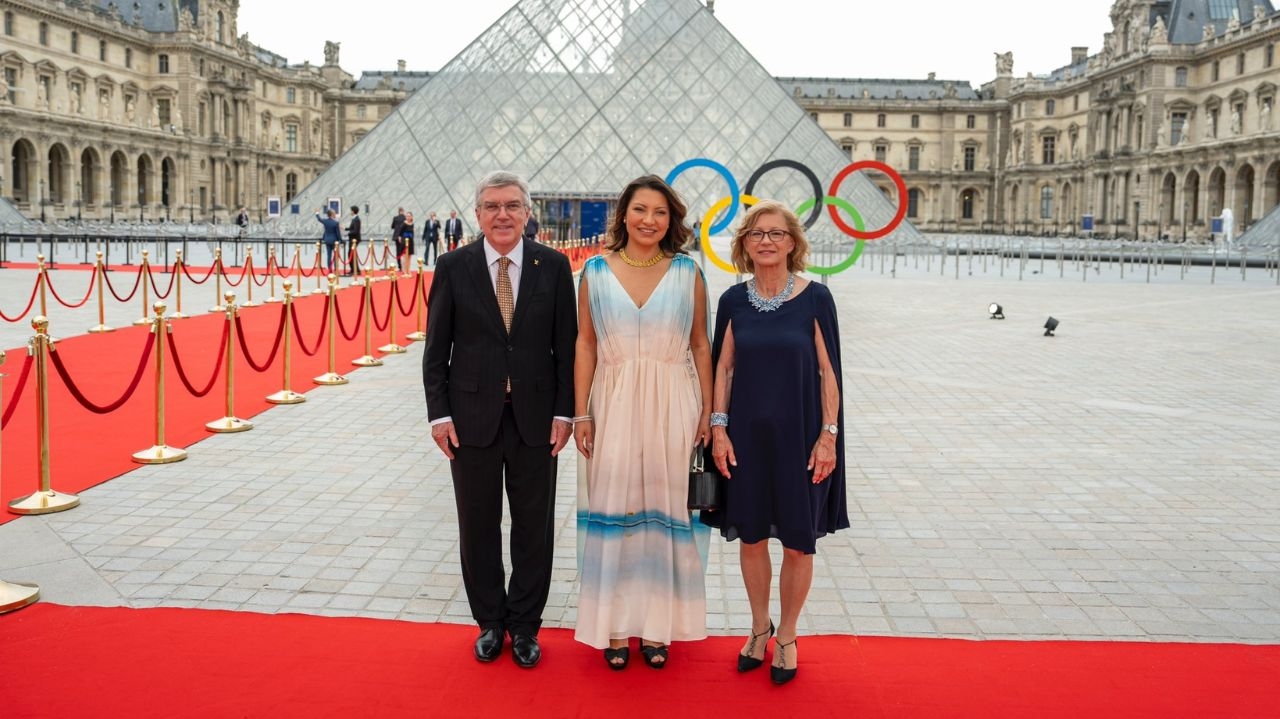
column 101, row 328
column 330, row 378
column 367, row 361
column 141, row 322
column 392, row 349
column 179, row 316
column 250, row 303
column 272, row 300
column 17, row 596
column 229, row 424
column 319, row 291
column 285, row 396
column 416, row 336
column 43, row 503
column 217, row 309
column 160, row 454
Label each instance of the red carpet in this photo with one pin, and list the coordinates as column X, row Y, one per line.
column 60, row 661
column 87, row 448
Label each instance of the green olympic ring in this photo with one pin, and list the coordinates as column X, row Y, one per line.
column 857, row 221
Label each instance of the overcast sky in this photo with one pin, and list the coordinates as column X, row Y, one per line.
column 815, row 38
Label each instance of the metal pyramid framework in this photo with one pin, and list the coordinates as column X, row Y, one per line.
column 580, row 97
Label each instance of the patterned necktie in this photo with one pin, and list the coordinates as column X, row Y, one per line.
column 506, row 299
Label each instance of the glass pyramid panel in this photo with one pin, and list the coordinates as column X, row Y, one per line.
column 581, row 96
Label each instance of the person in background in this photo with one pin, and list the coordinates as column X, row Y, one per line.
column 431, row 238
column 332, row 234
column 531, row 228
column 777, row 431
column 353, row 241
column 453, row 230
column 642, row 389
column 404, row 248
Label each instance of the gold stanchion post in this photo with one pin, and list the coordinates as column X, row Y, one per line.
column 42, row 277
column 144, row 279
column 368, row 360
column 217, row 283
column 160, row 453
column 386, row 253
column 248, row 275
column 177, row 268
column 15, row 596
column 100, row 274
column 286, row 395
column 230, row 423
column 45, row 500
column 418, row 334
column 391, row 347
column 272, row 267
column 332, row 377
column 318, row 290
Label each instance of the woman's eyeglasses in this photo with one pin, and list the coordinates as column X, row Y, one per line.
column 775, row 235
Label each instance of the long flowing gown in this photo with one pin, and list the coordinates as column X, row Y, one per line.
column 641, row 571
column 775, row 416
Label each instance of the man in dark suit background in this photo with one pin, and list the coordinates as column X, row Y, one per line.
column 453, row 230
column 353, row 241
column 431, row 238
column 498, row 373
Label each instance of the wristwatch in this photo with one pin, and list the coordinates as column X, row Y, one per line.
column 833, row 429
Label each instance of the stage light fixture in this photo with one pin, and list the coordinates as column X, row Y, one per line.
column 997, row 312
column 1049, row 326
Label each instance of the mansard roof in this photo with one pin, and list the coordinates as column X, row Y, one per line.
column 876, row 88
column 1186, row 19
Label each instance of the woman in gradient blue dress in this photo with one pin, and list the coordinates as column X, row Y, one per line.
column 642, row 388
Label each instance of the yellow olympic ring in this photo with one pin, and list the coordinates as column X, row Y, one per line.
column 705, row 230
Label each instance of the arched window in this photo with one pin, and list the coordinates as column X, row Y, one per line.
column 913, row 203
column 220, row 28
column 290, row 186
column 1046, row 202
column 966, row 204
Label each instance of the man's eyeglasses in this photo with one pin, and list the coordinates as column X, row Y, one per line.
column 511, row 208
column 775, row 235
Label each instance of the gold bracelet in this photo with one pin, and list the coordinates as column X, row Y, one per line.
column 582, row 418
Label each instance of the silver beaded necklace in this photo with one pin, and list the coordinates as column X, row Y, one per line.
column 772, row 303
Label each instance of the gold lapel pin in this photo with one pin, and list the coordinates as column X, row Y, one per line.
column 536, row 262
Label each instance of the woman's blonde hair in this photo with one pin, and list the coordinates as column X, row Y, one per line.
column 796, row 259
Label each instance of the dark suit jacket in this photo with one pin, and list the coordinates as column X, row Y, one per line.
column 353, row 229
column 469, row 354
column 431, row 230
column 453, row 229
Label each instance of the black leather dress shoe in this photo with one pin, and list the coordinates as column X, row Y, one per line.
column 489, row 644
column 524, row 649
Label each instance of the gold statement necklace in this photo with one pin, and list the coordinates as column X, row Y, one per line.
column 639, row 263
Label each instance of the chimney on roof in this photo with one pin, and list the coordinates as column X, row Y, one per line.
column 1079, row 54
column 711, row 6
column 400, row 65
column 933, row 76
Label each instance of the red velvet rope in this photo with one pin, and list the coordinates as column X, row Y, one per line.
column 202, row 280
column 133, row 384
column 17, row 392
column 63, row 302
column 297, row 331
column 337, row 310
column 30, row 302
column 253, row 277
column 152, row 278
column 237, row 283
column 275, row 344
column 404, row 312
column 217, row 363
column 386, row 318
column 137, row 282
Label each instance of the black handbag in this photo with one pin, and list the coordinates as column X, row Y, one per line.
column 704, row 487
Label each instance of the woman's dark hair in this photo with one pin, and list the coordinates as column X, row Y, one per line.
column 678, row 235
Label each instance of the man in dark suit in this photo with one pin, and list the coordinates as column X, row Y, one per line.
column 453, row 230
column 498, row 373
column 431, row 237
column 353, row 241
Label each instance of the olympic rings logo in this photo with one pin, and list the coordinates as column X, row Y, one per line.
column 812, row 206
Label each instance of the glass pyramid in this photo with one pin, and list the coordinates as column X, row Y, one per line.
column 580, row 97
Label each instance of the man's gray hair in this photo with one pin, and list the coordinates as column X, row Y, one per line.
column 502, row 178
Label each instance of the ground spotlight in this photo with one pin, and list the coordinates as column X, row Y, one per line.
column 997, row 312
column 1049, row 326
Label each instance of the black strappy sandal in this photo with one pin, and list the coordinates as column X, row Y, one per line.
column 653, row 654
column 746, row 662
column 611, row 657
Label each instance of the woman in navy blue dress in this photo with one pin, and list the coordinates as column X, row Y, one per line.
column 777, row 431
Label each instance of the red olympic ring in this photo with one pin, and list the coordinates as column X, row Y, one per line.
column 834, row 191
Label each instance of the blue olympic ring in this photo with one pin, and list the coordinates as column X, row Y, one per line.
column 728, row 177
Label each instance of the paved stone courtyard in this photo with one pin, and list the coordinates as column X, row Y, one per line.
column 1120, row 480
